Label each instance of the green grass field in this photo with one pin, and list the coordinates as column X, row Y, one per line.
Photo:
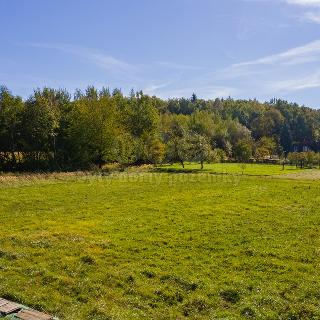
column 163, row 246
column 234, row 168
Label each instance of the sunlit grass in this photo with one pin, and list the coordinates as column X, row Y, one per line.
column 161, row 246
column 235, row 168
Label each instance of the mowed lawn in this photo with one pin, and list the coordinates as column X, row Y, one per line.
column 234, row 168
column 162, row 246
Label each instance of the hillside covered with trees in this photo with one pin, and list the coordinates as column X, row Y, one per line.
column 53, row 130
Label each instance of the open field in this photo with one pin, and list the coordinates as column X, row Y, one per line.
column 313, row 174
column 163, row 246
column 235, row 168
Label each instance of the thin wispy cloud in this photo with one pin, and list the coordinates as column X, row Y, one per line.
column 130, row 75
column 305, row 3
column 311, row 17
column 312, row 6
column 269, row 75
column 238, row 79
column 301, row 83
column 153, row 89
column 104, row 61
column 133, row 76
column 177, row 66
column 281, row 73
column 302, row 54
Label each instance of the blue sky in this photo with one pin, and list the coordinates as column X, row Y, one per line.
column 171, row 48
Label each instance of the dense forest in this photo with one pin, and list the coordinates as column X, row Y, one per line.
column 53, row 130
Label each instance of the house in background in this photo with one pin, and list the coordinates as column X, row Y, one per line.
column 301, row 146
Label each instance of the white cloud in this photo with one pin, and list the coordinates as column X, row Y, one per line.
column 298, row 55
column 284, row 72
column 310, row 3
column 311, row 16
column 305, row 3
column 280, row 73
column 152, row 89
column 301, row 83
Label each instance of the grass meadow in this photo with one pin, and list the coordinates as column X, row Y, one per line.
column 234, row 168
column 163, row 245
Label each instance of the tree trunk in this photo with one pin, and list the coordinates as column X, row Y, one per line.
column 13, row 149
column 54, row 149
column 13, row 159
column 201, row 165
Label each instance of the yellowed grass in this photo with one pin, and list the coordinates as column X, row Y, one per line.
column 312, row 174
column 32, row 177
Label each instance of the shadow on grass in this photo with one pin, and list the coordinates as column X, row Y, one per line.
column 207, row 171
column 175, row 170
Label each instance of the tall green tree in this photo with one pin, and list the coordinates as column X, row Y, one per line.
column 93, row 131
column 200, row 149
column 11, row 110
column 243, row 150
column 40, row 123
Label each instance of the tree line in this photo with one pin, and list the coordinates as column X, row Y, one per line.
column 52, row 130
